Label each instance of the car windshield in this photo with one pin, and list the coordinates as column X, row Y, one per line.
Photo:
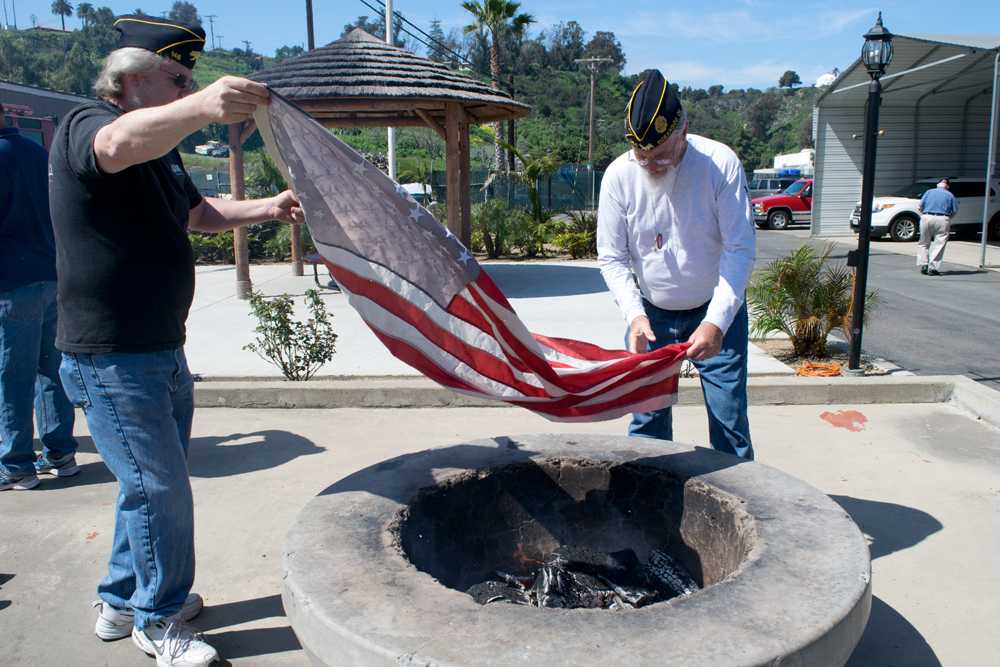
column 795, row 188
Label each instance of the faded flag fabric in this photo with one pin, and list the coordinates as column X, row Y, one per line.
column 428, row 300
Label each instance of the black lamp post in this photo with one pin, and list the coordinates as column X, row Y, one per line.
column 876, row 54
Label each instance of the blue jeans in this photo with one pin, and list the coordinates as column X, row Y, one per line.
column 723, row 381
column 29, row 374
column 139, row 408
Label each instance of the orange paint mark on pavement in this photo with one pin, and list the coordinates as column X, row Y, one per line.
column 852, row 420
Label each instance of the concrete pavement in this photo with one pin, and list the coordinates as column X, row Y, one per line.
column 921, row 481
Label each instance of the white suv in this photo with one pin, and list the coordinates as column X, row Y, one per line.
column 899, row 215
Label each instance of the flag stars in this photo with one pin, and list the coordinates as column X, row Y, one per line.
column 359, row 168
column 415, row 214
column 465, row 257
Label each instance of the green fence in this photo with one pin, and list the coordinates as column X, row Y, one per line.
column 572, row 187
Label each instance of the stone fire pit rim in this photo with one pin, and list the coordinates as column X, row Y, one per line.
column 803, row 593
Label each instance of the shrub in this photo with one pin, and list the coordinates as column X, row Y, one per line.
column 805, row 297
column 299, row 349
column 578, row 236
column 212, row 248
column 491, row 226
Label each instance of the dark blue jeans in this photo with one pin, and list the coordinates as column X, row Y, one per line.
column 139, row 408
column 723, row 381
column 29, row 377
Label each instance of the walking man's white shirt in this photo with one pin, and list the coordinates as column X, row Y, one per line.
column 683, row 251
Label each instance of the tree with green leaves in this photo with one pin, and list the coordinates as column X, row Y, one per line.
column 789, row 79
column 606, row 45
column 184, row 12
column 286, row 52
column 85, row 12
column 62, row 9
column 498, row 17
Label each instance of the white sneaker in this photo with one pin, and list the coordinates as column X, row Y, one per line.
column 174, row 643
column 115, row 624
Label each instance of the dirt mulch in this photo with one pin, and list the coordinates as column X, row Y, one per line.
column 781, row 349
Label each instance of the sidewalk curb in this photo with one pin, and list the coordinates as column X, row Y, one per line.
column 966, row 394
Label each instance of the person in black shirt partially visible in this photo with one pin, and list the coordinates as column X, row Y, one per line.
column 122, row 205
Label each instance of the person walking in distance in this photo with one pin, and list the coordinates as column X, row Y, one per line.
column 937, row 207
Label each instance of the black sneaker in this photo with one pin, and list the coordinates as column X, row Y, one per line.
column 933, row 272
column 923, row 269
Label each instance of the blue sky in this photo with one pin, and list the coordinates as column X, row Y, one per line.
column 737, row 43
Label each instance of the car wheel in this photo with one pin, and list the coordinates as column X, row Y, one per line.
column 779, row 219
column 905, row 228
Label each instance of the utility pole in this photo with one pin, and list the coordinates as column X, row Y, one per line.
column 311, row 41
column 593, row 64
column 392, row 131
column 219, row 46
column 247, row 43
column 211, row 26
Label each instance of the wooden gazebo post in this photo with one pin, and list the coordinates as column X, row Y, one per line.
column 237, row 187
column 457, row 168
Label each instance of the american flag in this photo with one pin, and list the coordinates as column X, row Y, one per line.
column 428, row 300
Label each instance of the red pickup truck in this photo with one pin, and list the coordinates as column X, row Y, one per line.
column 780, row 210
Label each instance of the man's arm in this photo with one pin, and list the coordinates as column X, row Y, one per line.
column 739, row 243
column 218, row 215
column 616, row 266
column 146, row 134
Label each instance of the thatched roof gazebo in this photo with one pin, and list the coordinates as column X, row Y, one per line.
column 360, row 81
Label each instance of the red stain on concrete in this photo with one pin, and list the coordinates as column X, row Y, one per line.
column 852, row 420
column 91, row 536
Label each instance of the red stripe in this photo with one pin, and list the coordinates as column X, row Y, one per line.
column 581, row 382
column 621, row 403
column 486, row 284
column 484, row 363
column 580, row 350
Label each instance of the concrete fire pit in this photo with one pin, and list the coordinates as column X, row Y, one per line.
column 377, row 565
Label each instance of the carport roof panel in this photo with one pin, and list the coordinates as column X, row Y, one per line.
column 961, row 65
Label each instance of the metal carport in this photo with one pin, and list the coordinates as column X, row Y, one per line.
column 938, row 117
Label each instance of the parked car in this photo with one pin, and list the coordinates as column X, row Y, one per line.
column 781, row 210
column 769, row 185
column 898, row 215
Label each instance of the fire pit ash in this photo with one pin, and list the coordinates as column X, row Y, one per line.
column 568, row 533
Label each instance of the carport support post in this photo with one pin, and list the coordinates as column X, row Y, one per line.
column 991, row 157
column 860, row 259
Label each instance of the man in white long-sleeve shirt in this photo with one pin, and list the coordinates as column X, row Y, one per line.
column 676, row 245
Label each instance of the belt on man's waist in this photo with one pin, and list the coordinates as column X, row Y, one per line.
column 943, row 215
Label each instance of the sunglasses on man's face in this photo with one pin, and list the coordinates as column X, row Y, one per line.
column 182, row 81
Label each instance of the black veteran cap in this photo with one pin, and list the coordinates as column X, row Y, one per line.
column 653, row 112
column 177, row 41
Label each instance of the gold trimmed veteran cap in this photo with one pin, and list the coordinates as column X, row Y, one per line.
column 653, row 112
column 177, row 41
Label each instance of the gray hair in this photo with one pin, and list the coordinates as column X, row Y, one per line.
column 127, row 60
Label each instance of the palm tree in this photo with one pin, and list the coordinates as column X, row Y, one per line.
column 62, row 9
column 498, row 17
column 85, row 12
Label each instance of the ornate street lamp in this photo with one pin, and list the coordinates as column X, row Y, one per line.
column 876, row 54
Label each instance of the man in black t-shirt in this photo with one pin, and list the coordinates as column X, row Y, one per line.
column 122, row 205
